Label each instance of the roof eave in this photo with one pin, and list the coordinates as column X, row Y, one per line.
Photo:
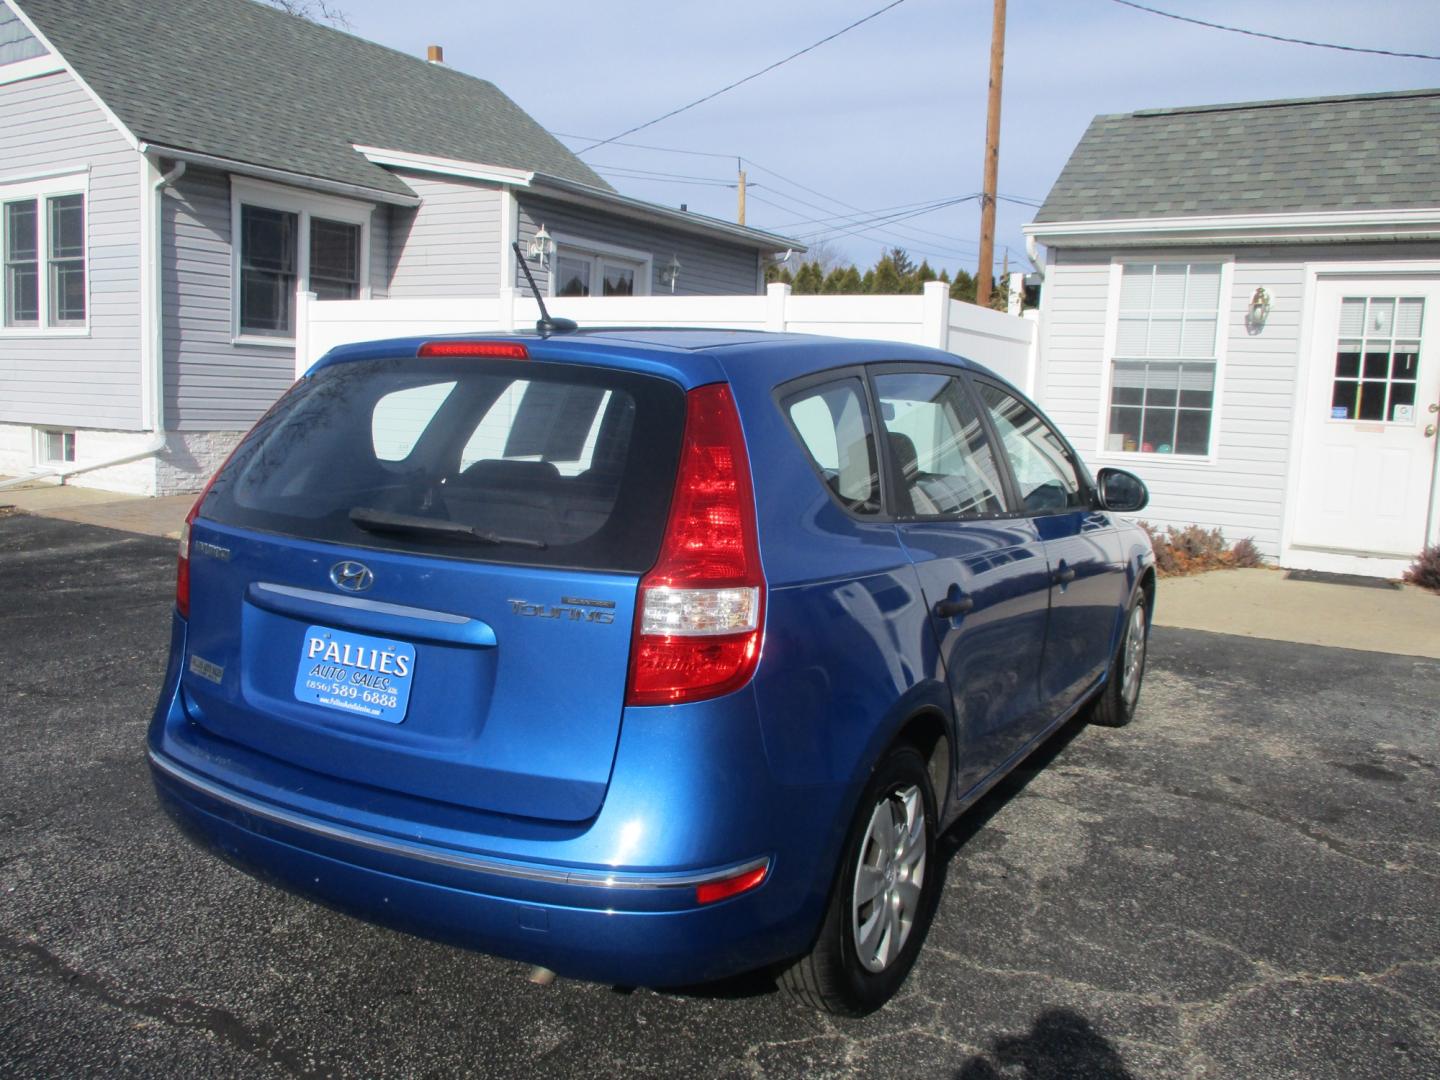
column 1410, row 223
column 280, row 176
column 638, row 209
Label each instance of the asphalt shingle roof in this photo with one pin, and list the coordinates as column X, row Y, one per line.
column 1370, row 152
column 241, row 80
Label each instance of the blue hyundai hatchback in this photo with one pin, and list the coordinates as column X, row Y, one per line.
column 649, row 657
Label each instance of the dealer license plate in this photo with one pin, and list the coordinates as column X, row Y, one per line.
column 355, row 673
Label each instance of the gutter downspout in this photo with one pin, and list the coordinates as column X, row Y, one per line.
column 1032, row 249
column 152, row 366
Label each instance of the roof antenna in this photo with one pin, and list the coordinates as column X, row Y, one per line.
column 545, row 325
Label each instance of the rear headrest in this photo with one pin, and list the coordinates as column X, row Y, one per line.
column 505, row 473
column 905, row 453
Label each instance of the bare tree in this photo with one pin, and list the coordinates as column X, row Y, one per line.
column 315, row 11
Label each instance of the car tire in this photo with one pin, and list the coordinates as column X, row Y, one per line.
column 884, row 895
column 1115, row 707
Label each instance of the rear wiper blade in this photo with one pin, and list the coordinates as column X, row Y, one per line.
column 383, row 521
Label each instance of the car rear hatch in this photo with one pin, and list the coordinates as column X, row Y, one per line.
column 420, row 575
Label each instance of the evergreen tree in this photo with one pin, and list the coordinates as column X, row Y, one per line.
column 924, row 274
column 900, row 259
column 963, row 287
column 809, row 279
column 887, row 280
column 851, row 282
column 834, row 282
column 867, row 283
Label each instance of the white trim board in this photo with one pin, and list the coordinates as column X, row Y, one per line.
column 33, row 68
column 468, row 170
column 1417, row 223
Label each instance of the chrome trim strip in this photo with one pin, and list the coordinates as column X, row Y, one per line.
column 452, row 859
column 358, row 604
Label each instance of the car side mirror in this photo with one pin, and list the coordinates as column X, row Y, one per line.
column 1122, row 492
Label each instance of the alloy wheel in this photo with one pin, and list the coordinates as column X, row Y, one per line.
column 889, row 878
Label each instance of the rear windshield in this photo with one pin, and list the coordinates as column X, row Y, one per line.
column 495, row 460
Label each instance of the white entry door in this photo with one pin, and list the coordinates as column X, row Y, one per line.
column 1367, row 453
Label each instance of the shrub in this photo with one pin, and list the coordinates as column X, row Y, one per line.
column 1193, row 550
column 1425, row 570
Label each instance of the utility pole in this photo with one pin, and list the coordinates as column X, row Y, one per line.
column 741, row 216
column 992, row 159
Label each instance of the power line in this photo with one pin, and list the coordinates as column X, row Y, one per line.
column 643, row 146
column 656, row 174
column 1274, row 37
column 905, row 235
column 747, row 78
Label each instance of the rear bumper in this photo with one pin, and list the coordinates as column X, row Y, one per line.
column 625, row 926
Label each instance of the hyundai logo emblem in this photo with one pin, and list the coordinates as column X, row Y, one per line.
column 351, row 576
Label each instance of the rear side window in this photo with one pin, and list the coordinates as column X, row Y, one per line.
column 834, row 425
column 505, row 461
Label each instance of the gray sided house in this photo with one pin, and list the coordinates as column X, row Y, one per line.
column 174, row 172
column 1242, row 305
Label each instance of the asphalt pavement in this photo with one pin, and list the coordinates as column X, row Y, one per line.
column 1243, row 883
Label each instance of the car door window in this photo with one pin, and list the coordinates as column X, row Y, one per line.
column 834, row 425
column 938, row 446
column 1044, row 471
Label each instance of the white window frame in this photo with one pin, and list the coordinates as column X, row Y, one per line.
column 266, row 196
column 39, row 189
column 1132, row 458
column 41, row 437
column 578, row 247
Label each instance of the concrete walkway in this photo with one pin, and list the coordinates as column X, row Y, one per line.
column 1250, row 603
column 88, row 506
column 1267, row 604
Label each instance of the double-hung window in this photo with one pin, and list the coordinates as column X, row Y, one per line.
column 1162, row 371
column 42, row 243
column 287, row 242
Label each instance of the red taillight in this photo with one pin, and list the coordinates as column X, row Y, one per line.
column 725, row 888
column 182, row 568
column 699, row 619
column 498, row 350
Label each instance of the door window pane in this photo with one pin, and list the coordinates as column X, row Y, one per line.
column 22, row 277
column 334, row 259
column 1377, row 358
column 938, row 445
column 834, row 427
column 1046, row 476
column 268, row 247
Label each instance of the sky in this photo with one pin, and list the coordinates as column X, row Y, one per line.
column 892, row 113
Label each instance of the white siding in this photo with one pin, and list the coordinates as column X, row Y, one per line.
column 449, row 245
column 211, row 384
column 16, row 43
column 1243, row 490
column 49, row 124
column 708, row 267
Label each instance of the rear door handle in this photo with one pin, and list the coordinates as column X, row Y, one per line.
column 949, row 608
column 1064, row 575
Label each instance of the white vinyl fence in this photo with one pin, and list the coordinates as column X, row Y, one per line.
column 1004, row 343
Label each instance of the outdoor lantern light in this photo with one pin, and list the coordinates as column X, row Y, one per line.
column 1258, row 311
column 670, row 273
column 541, row 247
